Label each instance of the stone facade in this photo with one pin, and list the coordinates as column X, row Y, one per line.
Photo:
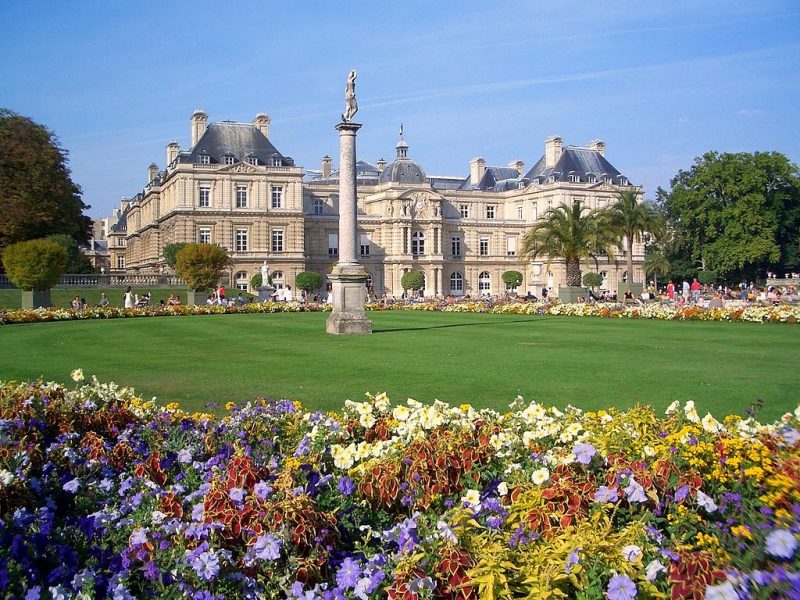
column 235, row 189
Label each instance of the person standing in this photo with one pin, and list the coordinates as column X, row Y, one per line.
column 686, row 289
column 671, row 291
column 129, row 299
column 288, row 295
column 696, row 287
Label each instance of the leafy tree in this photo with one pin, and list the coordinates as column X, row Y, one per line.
column 256, row 281
column 413, row 280
column 512, row 279
column 76, row 260
column 655, row 263
column 736, row 214
column 170, row 253
column 35, row 264
column 200, row 265
column 571, row 233
column 631, row 219
column 308, row 281
column 707, row 277
column 37, row 196
column 592, row 280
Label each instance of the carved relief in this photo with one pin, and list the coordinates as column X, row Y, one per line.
column 240, row 168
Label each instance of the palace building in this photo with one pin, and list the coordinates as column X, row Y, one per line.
column 234, row 188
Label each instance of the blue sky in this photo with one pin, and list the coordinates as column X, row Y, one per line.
column 659, row 82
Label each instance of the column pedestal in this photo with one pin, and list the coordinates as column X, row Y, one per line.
column 349, row 293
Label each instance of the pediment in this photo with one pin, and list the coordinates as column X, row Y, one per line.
column 239, row 168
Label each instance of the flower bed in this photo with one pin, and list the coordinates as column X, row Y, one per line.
column 753, row 314
column 105, row 495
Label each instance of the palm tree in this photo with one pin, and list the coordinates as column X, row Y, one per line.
column 631, row 219
column 655, row 262
column 572, row 233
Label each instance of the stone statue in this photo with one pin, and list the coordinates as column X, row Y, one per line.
column 264, row 274
column 350, row 104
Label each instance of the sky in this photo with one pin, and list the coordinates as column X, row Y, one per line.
column 660, row 82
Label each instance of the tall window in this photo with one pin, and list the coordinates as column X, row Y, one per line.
column 241, row 196
column 456, row 284
column 484, row 282
column 519, row 213
column 463, row 210
column 277, row 279
column 364, row 245
column 277, row 240
column 204, row 235
column 417, row 243
column 277, row 196
column 511, row 245
column 455, row 248
column 535, row 209
column 241, row 240
column 483, row 246
column 120, row 262
column 241, row 281
column 549, row 205
column 204, row 196
column 490, row 210
column 319, row 206
column 333, row 244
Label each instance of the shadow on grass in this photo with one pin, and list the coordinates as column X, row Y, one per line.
column 494, row 323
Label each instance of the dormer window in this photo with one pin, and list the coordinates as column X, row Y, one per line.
column 204, row 159
column 535, row 181
column 623, row 181
column 228, row 159
column 251, row 160
column 276, row 162
column 574, row 179
column 551, row 179
column 591, row 178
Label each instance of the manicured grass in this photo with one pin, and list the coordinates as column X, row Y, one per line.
column 484, row 360
column 12, row 298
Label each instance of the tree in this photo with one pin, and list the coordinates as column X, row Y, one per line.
column 200, row 265
column 256, row 281
column 308, row 281
column 631, row 219
column 655, row 263
column 592, row 280
column 706, row 277
column 512, row 279
column 736, row 214
column 35, row 264
column 571, row 233
column 76, row 260
column 37, row 196
column 413, row 280
column 170, row 253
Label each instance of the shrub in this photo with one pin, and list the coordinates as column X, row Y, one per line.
column 171, row 253
column 413, row 280
column 707, row 277
column 35, row 264
column 308, row 281
column 512, row 279
column 77, row 262
column 256, row 281
column 592, row 280
column 201, row 265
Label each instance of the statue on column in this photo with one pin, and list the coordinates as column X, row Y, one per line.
column 350, row 104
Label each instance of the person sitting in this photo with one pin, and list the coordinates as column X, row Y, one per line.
column 627, row 297
column 103, row 300
column 173, row 300
column 76, row 303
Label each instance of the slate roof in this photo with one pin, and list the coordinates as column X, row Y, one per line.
column 366, row 174
column 580, row 162
column 240, row 140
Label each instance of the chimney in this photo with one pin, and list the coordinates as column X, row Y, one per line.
column 552, row 151
column 152, row 172
column 326, row 166
column 518, row 165
column 477, row 167
column 261, row 122
column 598, row 146
column 172, row 152
column 199, row 122
column 381, row 164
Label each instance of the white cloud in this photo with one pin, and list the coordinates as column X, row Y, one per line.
column 750, row 112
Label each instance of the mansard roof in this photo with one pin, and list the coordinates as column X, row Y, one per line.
column 240, row 140
column 492, row 176
column 366, row 174
column 577, row 161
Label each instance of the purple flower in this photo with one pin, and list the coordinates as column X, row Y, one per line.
column 184, row 456
column 151, row 571
column 138, row 537
column 206, row 565
column 621, row 588
column 72, row 486
column 33, row 593
column 236, row 494
column 635, row 491
column 572, row 560
column 345, row 486
column 682, row 492
column 262, row 490
column 606, row 494
column 583, row 452
column 781, row 544
column 348, row 574
column 267, row 547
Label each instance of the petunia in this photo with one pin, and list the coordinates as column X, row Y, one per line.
column 606, row 494
column 652, row 570
column 539, row 476
column 634, row 491
column 632, row 553
column 72, row 486
column 138, row 537
column 267, row 547
column 583, row 452
column 705, row 502
column 348, row 574
column 723, row 591
column 621, row 588
column 781, row 543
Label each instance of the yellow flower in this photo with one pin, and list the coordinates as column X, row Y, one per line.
column 77, row 375
column 230, row 405
column 741, row 531
column 173, row 406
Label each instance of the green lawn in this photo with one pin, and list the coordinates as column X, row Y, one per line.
column 485, row 360
column 12, row 298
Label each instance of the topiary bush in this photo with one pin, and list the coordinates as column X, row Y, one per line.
column 35, row 264
column 413, row 280
column 592, row 280
column 256, row 281
column 200, row 265
column 512, row 279
column 308, row 281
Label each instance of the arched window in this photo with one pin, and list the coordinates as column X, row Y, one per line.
column 417, row 243
column 241, row 281
column 484, row 282
column 604, row 275
column 277, row 279
column 456, row 284
column 624, row 277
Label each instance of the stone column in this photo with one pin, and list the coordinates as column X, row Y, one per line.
column 348, row 277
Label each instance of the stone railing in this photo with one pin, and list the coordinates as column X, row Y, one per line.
column 94, row 280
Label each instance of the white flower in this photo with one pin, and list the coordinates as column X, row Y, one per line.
column 472, row 497
column 705, row 502
column 382, row 402
column 672, row 408
column 574, row 429
column 401, row 413
column 366, row 420
column 649, row 451
column 632, row 553
column 691, row 412
column 502, row 488
column 653, row 569
column 77, row 375
column 711, row 425
column 6, row 477
column 540, row 476
column 606, row 418
column 723, row 591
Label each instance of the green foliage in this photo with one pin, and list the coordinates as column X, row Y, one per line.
column 35, row 264
column 38, row 197
column 512, row 278
column 76, row 260
column 630, row 219
column 200, row 265
column 592, row 280
column 413, row 280
column 572, row 233
column 256, row 281
column 737, row 214
column 171, row 253
column 308, row 281
column 707, row 277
